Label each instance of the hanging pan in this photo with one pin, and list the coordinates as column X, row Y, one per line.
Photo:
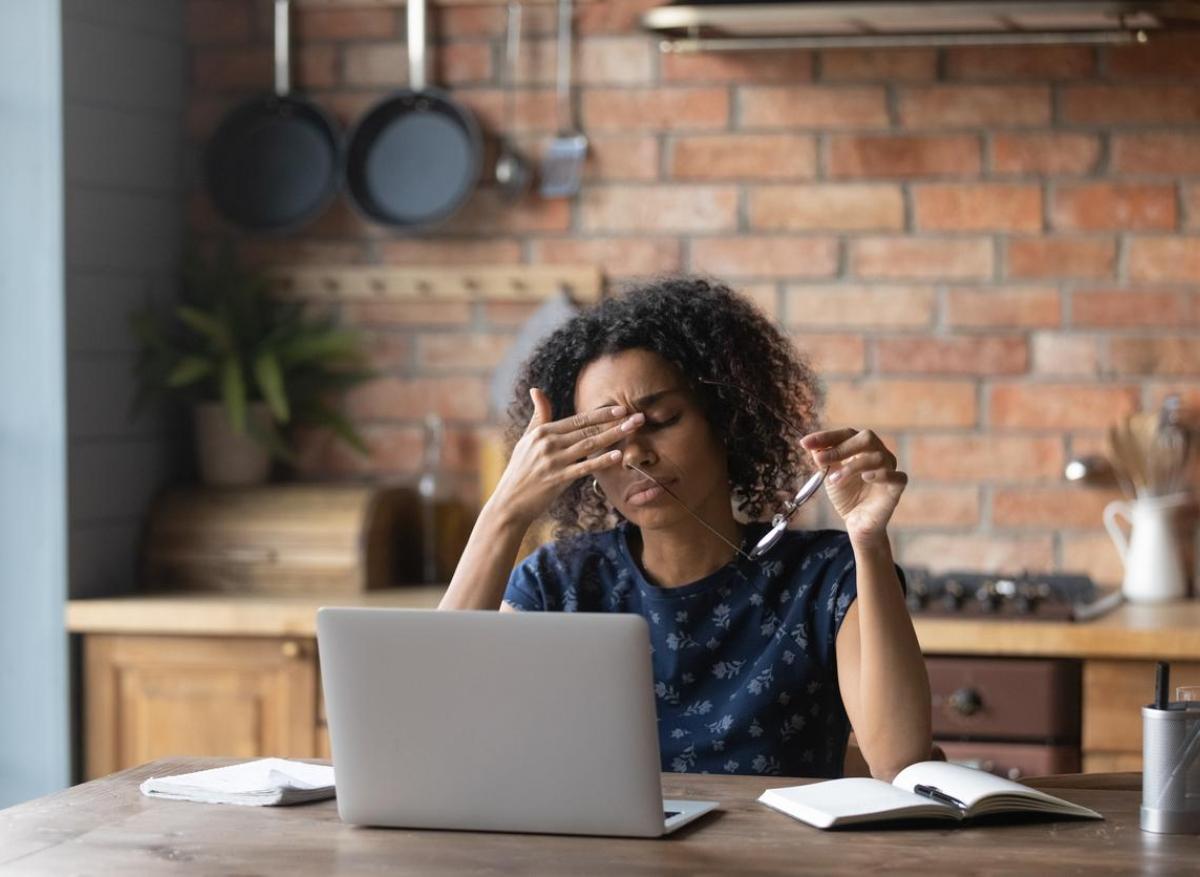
column 415, row 157
column 273, row 163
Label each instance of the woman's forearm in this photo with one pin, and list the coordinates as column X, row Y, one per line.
column 893, row 687
column 483, row 570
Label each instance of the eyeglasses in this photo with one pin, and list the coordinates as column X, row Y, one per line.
column 779, row 522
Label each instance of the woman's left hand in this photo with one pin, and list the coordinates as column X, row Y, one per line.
column 863, row 483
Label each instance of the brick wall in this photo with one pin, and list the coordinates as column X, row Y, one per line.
column 989, row 253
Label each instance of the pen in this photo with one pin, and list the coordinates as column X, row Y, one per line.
column 938, row 795
column 1162, row 677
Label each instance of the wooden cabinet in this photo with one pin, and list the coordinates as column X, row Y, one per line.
column 147, row 697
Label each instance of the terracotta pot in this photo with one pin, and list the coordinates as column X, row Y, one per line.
column 225, row 458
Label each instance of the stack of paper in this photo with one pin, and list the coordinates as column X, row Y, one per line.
column 263, row 783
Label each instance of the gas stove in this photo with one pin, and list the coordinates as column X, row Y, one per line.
column 1025, row 596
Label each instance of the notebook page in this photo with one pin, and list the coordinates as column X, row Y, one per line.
column 849, row 800
column 971, row 786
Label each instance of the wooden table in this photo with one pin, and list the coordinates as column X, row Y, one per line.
column 107, row 826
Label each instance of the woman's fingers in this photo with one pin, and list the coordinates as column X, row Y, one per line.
column 542, row 411
column 866, row 463
column 603, row 438
column 827, row 438
column 844, row 444
column 589, row 467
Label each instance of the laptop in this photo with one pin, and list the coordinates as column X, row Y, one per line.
column 486, row 721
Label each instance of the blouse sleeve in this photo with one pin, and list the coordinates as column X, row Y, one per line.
column 525, row 589
column 839, row 590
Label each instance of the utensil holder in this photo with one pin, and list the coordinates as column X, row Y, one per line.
column 1171, row 770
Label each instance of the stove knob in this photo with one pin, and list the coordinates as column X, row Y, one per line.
column 989, row 599
column 952, row 596
column 1026, row 603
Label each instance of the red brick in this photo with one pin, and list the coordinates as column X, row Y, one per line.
column 985, row 458
column 813, row 106
column 295, row 252
column 386, row 65
column 218, row 21
column 977, row 207
column 487, row 213
column 896, row 404
column 1059, row 406
column 454, row 398
column 1049, row 507
column 231, row 68
column 1065, row 355
column 930, row 258
column 1088, row 258
column 888, row 155
column 598, row 61
column 910, row 307
column 874, row 65
column 389, row 350
column 459, row 63
column 616, row 256
column 766, row 66
column 465, row 351
column 612, row 16
column 1045, row 153
column 987, row 552
column 508, row 314
column 477, row 21
column 659, row 208
column 618, row 158
column 922, row 506
column 1116, row 308
column 674, row 109
column 442, row 251
column 1191, row 206
column 1021, row 62
column 1130, row 104
column 833, row 354
column 1165, row 259
column 535, row 110
column 743, row 157
column 1163, row 57
column 1156, row 152
column 968, row 106
column 310, row 25
column 753, row 256
column 972, row 355
column 847, row 207
column 1098, row 206
column 1003, row 306
column 1161, row 355
column 763, row 296
column 408, row 313
column 1094, row 555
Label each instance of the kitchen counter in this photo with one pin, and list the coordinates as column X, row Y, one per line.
column 1162, row 632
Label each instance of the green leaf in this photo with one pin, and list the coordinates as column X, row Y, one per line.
column 320, row 345
column 188, row 371
column 269, row 376
column 233, row 393
column 207, row 325
column 323, row 415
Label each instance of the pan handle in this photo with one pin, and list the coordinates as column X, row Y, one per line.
column 416, row 45
column 283, row 79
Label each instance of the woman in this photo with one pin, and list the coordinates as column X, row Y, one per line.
column 673, row 411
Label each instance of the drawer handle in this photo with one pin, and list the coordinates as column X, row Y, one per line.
column 290, row 649
column 966, row 701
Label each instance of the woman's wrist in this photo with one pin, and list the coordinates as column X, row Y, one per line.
column 873, row 544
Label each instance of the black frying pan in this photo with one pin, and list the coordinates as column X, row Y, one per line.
column 273, row 163
column 414, row 158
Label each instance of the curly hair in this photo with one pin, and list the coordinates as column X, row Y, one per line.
column 708, row 332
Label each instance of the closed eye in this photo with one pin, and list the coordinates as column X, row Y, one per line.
column 654, row 425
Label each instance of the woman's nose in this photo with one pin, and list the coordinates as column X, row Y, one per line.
column 639, row 451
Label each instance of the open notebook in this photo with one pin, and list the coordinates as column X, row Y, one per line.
column 926, row 790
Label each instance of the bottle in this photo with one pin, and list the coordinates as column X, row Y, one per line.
column 442, row 516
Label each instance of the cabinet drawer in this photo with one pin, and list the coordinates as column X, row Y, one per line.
column 1114, row 693
column 1014, row 760
column 1004, row 698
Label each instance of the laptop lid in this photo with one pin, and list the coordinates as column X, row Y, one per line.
column 541, row 722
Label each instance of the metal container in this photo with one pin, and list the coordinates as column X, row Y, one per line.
column 1171, row 769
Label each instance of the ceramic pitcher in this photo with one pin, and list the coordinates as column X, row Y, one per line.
column 1151, row 553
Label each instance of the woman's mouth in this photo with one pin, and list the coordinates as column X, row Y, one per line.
column 645, row 493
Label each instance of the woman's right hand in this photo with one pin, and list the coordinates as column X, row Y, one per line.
column 554, row 453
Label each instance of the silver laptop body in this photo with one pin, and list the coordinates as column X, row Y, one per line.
column 489, row 721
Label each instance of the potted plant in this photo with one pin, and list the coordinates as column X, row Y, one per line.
column 250, row 366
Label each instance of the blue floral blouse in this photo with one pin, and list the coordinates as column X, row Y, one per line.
column 744, row 659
